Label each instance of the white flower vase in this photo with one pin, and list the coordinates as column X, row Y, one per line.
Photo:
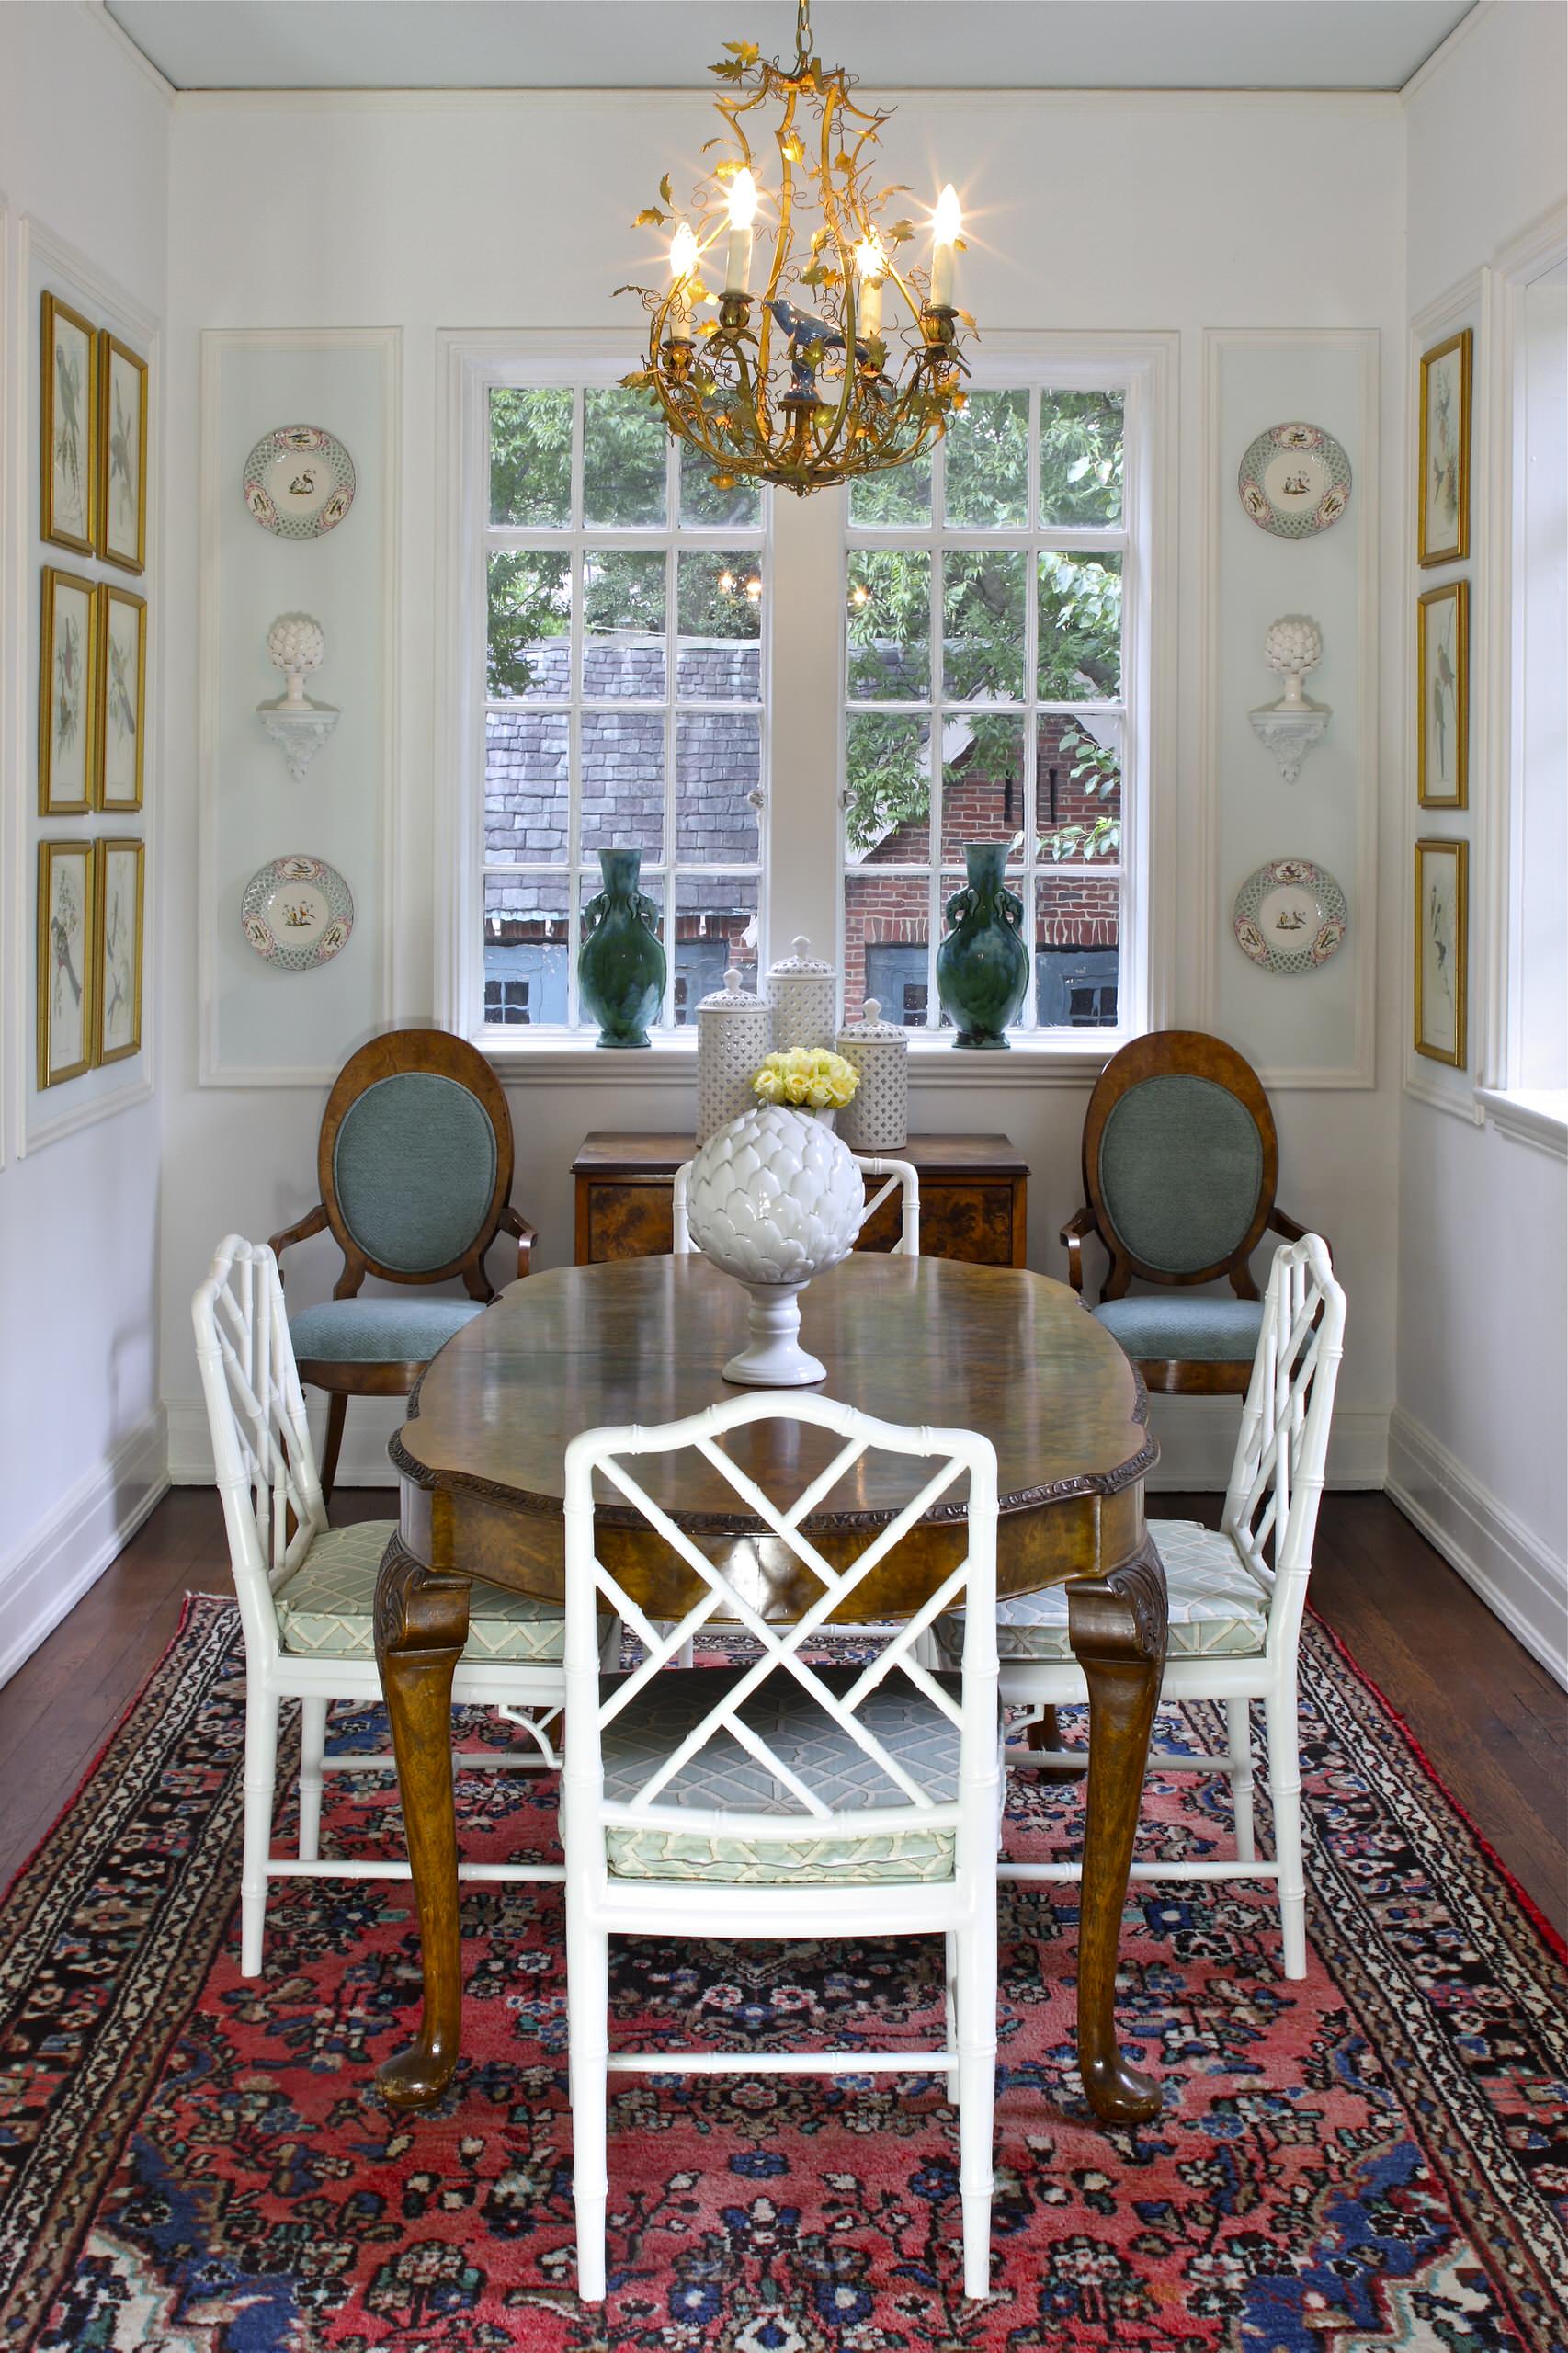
column 774, row 1199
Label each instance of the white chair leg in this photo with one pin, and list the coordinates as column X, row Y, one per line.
column 313, row 1746
column 952, row 1945
column 587, row 1977
column 261, row 1774
column 1238, row 1718
column 1285, row 1785
column 977, row 2093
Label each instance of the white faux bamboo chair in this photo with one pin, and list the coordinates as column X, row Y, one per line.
column 1236, row 1596
column 306, row 1594
column 899, row 1176
column 779, row 1798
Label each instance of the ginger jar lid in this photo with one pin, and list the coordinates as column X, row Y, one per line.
column 871, row 1026
column 789, row 967
column 732, row 997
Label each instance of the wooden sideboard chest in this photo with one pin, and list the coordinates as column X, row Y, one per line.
column 973, row 1193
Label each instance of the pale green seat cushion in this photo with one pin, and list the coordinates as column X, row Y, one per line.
column 1204, row 1327
column 1181, row 1171
column 806, row 1739
column 379, row 1331
column 1219, row 1609
column 413, row 1166
column 327, row 1609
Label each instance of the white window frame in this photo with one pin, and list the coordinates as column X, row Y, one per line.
column 804, row 663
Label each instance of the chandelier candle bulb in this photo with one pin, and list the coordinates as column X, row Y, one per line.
column 947, row 226
column 742, row 212
column 870, row 263
column 683, row 269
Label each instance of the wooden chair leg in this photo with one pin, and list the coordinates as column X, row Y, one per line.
column 336, row 1412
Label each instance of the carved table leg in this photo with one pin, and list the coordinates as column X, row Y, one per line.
column 1116, row 1627
column 1046, row 1732
column 421, row 1627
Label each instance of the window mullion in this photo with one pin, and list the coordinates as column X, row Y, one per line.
column 671, row 641
column 574, row 730
column 936, row 652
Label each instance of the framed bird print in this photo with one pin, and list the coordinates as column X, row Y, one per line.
column 1442, row 950
column 1443, row 507
column 1442, row 667
column 122, row 689
column 67, row 410
column 122, row 508
column 118, row 892
column 65, row 943
column 67, row 693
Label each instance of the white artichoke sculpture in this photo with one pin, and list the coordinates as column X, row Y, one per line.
column 775, row 1198
column 1292, row 646
column 295, row 644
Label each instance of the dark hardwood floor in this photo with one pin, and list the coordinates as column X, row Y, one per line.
column 1493, row 1723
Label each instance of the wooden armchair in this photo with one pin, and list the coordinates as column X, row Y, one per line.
column 1180, row 1164
column 414, row 1165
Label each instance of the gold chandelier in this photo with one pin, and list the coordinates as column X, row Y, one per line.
column 847, row 363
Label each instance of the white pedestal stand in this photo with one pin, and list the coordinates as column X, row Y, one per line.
column 773, row 1357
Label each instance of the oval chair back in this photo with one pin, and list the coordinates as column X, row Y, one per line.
column 266, row 1465
column 1181, row 1161
column 414, row 1161
column 899, row 1175
column 1271, row 1505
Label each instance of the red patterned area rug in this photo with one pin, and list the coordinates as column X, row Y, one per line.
column 196, row 2164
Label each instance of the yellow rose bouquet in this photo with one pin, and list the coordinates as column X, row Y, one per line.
column 807, row 1078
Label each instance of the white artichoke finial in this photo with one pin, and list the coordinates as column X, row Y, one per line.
column 295, row 644
column 1292, row 646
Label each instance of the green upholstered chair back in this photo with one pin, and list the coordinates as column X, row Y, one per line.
column 413, row 1169
column 1181, row 1170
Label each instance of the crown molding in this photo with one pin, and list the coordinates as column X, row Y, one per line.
column 1446, row 48
column 1377, row 103
column 137, row 59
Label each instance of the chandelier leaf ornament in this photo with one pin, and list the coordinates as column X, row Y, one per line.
column 846, row 359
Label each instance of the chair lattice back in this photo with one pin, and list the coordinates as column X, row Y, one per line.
column 899, row 1177
column 1271, row 1506
column 591, row 1586
column 265, row 1464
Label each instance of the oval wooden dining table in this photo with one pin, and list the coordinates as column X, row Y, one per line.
column 481, row 1465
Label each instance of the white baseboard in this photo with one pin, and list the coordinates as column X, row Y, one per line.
column 49, row 1574
column 363, row 1463
column 1197, row 1439
column 1513, row 1571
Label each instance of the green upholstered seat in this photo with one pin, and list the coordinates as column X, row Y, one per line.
column 1219, row 1609
column 414, row 1167
column 807, row 1740
column 326, row 1607
column 1180, row 1172
column 1190, row 1326
column 379, row 1331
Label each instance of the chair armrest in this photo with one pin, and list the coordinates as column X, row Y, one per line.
column 514, row 1222
column 313, row 1222
column 1075, row 1233
column 1279, row 1223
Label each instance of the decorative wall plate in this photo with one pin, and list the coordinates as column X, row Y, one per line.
column 1294, row 481
column 297, row 912
column 298, row 482
column 1289, row 917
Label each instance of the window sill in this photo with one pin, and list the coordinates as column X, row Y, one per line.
column 1535, row 1116
column 672, row 1062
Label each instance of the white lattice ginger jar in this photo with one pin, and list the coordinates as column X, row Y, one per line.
column 774, row 1199
column 734, row 1037
column 804, row 993
column 876, row 1119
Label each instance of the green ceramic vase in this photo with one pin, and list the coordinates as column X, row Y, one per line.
column 982, row 966
column 620, row 965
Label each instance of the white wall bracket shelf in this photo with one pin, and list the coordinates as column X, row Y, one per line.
column 298, row 733
column 1289, row 732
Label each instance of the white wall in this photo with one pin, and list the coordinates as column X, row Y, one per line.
column 1132, row 212
column 1479, row 1443
column 84, row 178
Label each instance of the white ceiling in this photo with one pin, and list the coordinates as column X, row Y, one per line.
column 891, row 44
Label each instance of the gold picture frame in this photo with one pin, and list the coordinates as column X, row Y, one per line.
column 119, row 904
column 67, row 427
column 1442, row 697
column 67, row 692
column 120, row 704
column 120, row 528
column 66, row 940
column 1442, row 950
column 1442, row 503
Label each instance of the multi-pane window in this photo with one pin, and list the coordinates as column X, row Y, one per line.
column 624, row 696
column 985, row 700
